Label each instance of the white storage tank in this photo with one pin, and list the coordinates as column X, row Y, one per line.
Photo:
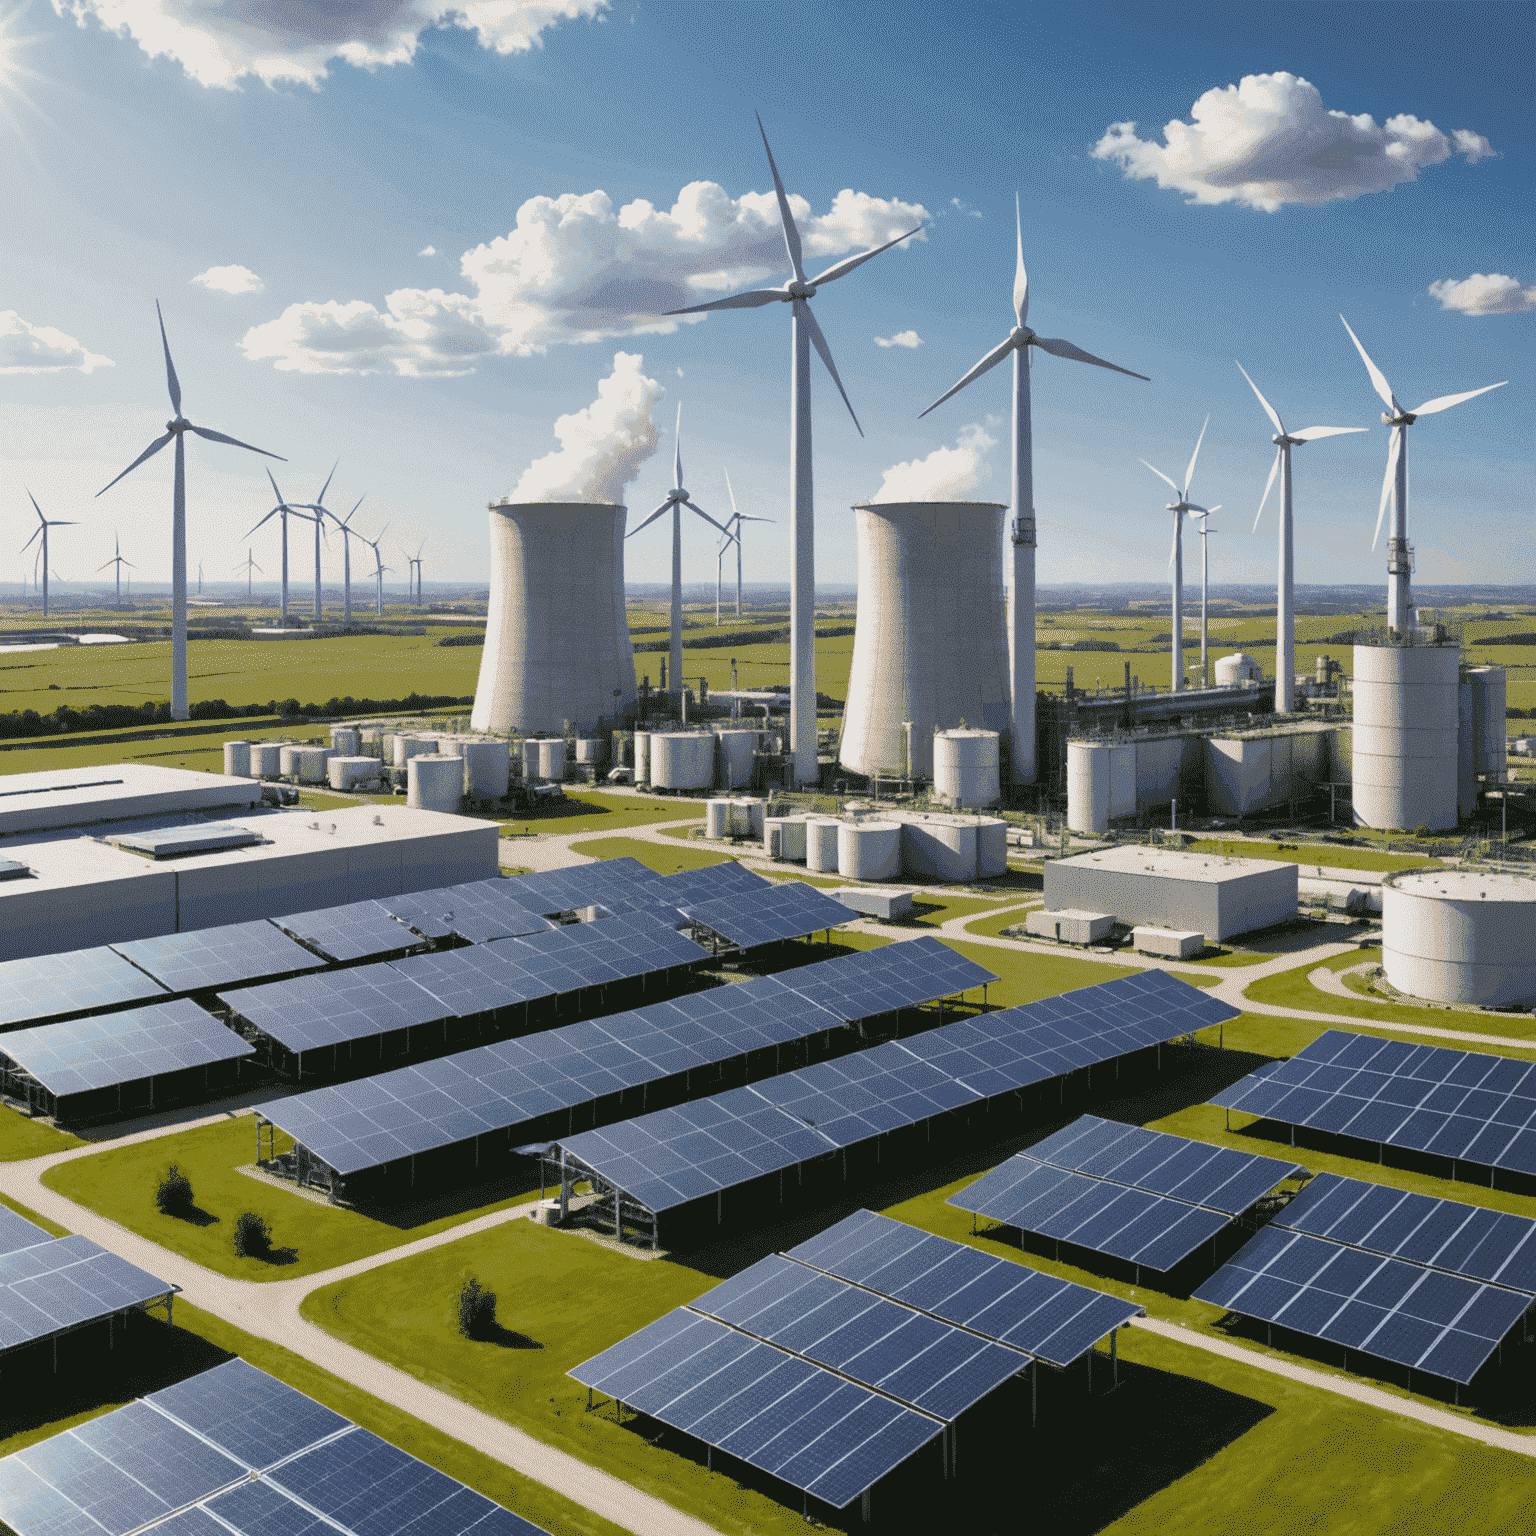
column 552, row 759
column 1466, row 751
column 309, row 764
column 938, row 847
column 530, row 760
column 789, row 834
column 371, row 739
column 1405, row 736
column 1235, row 669
column 435, row 782
column 736, row 749
column 266, row 759
column 966, row 768
column 345, row 739
column 1460, row 935
column 407, row 747
column 757, row 811
column 1488, row 710
column 288, row 759
column 991, row 848
column 717, row 818
column 821, row 844
column 868, row 850
column 589, row 750
column 344, row 772
column 682, row 760
column 1101, row 784
column 642, row 757
column 237, row 759
column 487, row 766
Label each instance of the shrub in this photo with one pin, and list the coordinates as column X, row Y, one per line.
column 173, row 1195
column 253, row 1237
column 477, row 1310
column 1421, row 830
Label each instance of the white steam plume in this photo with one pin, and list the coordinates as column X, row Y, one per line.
column 947, row 474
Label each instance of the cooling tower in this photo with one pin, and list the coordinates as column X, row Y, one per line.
column 931, row 639
column 556, row 638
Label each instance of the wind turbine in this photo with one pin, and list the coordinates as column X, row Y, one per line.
column 117, row 562
column 347, row 535
column 676, row 499
column 1285, row 603
column 1205, row 588
column 280, row 511
column 1021, row 606
column 321, row 511
column 177, row 428
column 199, row 578
column 44, row 524
column 373, row 544
column 1176, row 554
column 414, row 561
column 1395, row 485
column 805, row 333
column 248, row 566
column 733, row 525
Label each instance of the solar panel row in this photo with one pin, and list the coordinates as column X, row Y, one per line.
column 218, row 957
column 767, row 914
column 79, row 981
column 871, row 982
column 360, row 930
column 62, row 1282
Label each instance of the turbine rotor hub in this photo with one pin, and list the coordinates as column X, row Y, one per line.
column 1022, row 335
column 799, row 290
column 1407, row 419
column 180, row 424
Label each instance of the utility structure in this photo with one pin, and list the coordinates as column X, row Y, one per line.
column 1205, row 590
column 676, row 499
column 348, row 533
column 414, row 562
column 1176, row 560
column 1021, row 590
column 41, row 531
column 805, row 333
column 247, row 565
column 733, row 527
column 380, row 568
column 281, row 511
column 1394, row 487
column 1285, row 601
column 117, row 563
column 177, row 428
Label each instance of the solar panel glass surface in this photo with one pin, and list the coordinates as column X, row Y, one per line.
column 875, row 981
column 767, row 914
column 62, row 1283
column 78, row 981
column 306, row 1013
column 17, row 1232
column 218, row 957
column 360, row 930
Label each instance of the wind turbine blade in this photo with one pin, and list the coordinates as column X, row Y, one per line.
column 172, row 382
column 1160, row 475
column 1173, row 548
column 708, row 519
column 132, row 567
column 1311, row 434
column 324, row 488
column 1189, row 474
column 731, row 491
column 28, row 544
column 753, row 298
column 1059, row 348
column 1269, row 410
column 61, row 522
column 1269, row 484
column 148, row 453
column 1444, row 402
column 843, row 268
column 825, row 352
column 234, row 442
column 1378, row 378
column 677, row 455
column 750, row 519
column 1020, row 276
column 105, row 563
column 990, row 361
column 651, row 519
column 1388, row 481
column 791, row 234
column 267, row 519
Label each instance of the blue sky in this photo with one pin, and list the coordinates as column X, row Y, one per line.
column 125, row 176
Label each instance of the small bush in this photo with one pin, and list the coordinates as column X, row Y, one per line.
column 1421, row 830
column 477, row 1310
column 253, row 1237
column 173, row 1194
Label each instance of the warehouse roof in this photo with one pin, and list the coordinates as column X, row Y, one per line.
column 1169, row 864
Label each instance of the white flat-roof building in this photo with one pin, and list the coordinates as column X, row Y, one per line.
column 1460, row 935
column 76, row 797
column 1170, row 888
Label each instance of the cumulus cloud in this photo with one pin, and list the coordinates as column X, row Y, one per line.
column 27, row 348
column 965, row 208
column 947, row 474
column 217, row 42
column 1484, row 294
column 230, row 280
column 900, row 339
column 1269, row 141
column 427, row 250
column 603, row 445
column 575, row 269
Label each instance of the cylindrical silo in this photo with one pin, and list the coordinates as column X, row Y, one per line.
column 266, row 759
column 991, row 848
column 717, row 818
column 486, row 767
column 1236, row 668
column 682, row 760
column 789, row 834
column 642, row 757
column 237, row 759
column 939, row 847
column 1488, row 700
column 344, row 772
column 966, row 767
column 345, row 739
column 821, row 844
column 556, row 634
column 407, row 747
column 530, row 760
column 930, row 645
column 1404, row 739
column 1466, row 751
column 589, row 750
column 756, row 811
column 736, row 749
column 288, row 759
column 1088, row 777
column 552, row 759
column 868, row 850
column 309, row 764
column 370, row 739
column 434, row 782
column 1460, row 935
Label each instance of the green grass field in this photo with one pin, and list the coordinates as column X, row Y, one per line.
column 1328, row 854
column 591, row 810
column 21, row 1138
column 661, row 857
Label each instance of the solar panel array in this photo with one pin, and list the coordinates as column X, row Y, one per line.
column 17, row 1232
column 1143, row 1196
column 218, row 957
column 768, row 914
column 592, row 954
column 668, row 1158
column 1460, row 1104
column 476, row 911
column 871, row 982
column 199, row 837
column 110, row 1049
column 307, row 1013
column 62, row 1282
column 235, row 1450
column 77, row 981
column 360, row 930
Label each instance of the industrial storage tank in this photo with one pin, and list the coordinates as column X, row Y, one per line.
column 642, row 757
column 551, row 750
column 930, row 643
column 1466, row 751
column 991, row 848
column 717, row 818
column 1460, row 935
column 237, row 759
column 1236, row 668
column 266, row 759
column 435, row 782
column 682, row 760
column 288, row 759
column 938, row 847
column 868, row 850
column 1101, row 784
column 736, row 752
column 966, row 767
column 1405, row 732
column 530, row 760
column 589, row 750
column 344, row 772
column 487, row 767
column 1488, row 711
column 557, row 643
column 309, row 764
column 789, row 833
column 407, row 747
column 346, row 740
column 821, row 844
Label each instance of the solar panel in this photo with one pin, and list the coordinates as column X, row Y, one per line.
column 870, row 982
column 1465, row 1105
column 10, row 869
column 617, row 949
column 64, row 1282
column 307, row 1013
column 422, row 910
column 1398, row 1311
column 218, row 957
column 110, row 1049
column 201, row 837
column 480, row 979
column 45, row 987
column 767, row 915
column 360, row 930
column 17, row 1232
column 711, row 882
column 614, row 884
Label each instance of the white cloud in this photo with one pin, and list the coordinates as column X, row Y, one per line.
column 230, row 280
column 218, row 41
column 603, row 445
column 965, row 208
column 1269, row 141
column 427, row 250
column 575, row 269
column 900, row 339
column 27, row 348
column 1484, row 294
column 947, row 474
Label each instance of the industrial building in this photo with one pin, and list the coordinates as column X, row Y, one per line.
column 1460, row 935
column 1193, row 892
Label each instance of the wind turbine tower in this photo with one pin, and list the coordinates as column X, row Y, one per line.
column 805, row 333
column 414, row 561
column 44, row 524
column 347, row 535
column 1021, row 605
column 1176, row 559
column 177, row 428
column 1205, row 589
column 733, row 523
column 280, row 511
column 378, row 575
column 248, row 565
column 117, row 563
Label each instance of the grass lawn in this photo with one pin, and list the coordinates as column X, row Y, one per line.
column 591, row 810
column 1331, row 854
column 21, row 1138
column 120, row 1184
column 661, row 857
column 1232, row 958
